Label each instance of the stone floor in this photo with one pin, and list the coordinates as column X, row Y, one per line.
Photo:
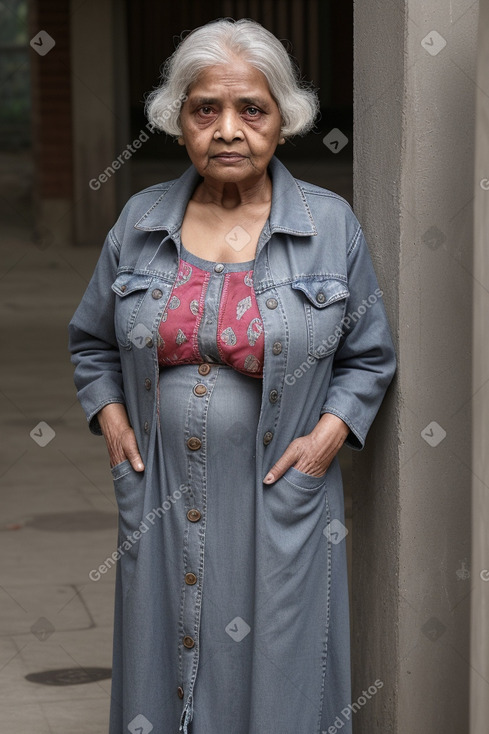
column 58, row 518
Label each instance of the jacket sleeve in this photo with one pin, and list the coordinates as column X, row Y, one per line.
column 365, row 362
column 92, row 341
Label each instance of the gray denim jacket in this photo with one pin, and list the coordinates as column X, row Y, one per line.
column 327, row 342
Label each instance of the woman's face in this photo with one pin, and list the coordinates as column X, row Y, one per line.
column 230, row 123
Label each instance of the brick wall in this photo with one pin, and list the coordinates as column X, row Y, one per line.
column 51, row 101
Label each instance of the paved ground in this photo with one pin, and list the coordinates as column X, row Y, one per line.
column 58, row 518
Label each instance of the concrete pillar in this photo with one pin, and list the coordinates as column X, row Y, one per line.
column 414, row 92
column 100, row 116
column 479, row 681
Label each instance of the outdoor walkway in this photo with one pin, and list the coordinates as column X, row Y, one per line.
column 59, row 517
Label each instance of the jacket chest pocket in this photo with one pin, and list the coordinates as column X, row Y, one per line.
column 324, row 305
column 131, row 290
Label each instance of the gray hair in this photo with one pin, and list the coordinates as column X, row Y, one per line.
column 219, row 42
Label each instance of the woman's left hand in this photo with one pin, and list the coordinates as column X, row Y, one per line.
column 312, row 454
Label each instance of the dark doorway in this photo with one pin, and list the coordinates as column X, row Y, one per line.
column 318, row 34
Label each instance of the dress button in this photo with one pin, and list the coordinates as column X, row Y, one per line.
column 180, row 692
column 193, row 515
column 218, row 268
column 267, row 437
column 204, row 369
column 123, row 288
column 320, row 298
column 194, row 443
column 273, row 396
column 190, row 579
column 272, row 303
column 156, row 294
column 146, row 427
column 200, row 390
column 277, row 347
column 147, row 383
column 149, row 342
column 188, row 641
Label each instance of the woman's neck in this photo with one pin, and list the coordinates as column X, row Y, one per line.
column 230, row 195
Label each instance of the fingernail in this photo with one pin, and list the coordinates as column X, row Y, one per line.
column 268, row 479
column 140, row 466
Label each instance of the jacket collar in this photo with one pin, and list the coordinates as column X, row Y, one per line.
column 289, row 211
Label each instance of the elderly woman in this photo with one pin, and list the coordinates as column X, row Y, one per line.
column 232, row 337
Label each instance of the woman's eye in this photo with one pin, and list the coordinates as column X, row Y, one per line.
column 252, row 111
column 206, row 110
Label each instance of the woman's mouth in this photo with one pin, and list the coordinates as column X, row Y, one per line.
column 229, row 157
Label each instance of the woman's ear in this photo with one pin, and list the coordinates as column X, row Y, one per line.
column 181, row 141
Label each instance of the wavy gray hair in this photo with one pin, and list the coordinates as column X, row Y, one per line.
column 218, row 42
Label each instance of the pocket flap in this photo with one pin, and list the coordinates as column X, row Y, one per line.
column 322, row 291
column 127, row 283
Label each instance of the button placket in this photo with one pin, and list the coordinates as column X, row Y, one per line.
column 193, row 573
column 207, row 334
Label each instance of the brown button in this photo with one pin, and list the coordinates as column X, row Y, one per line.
column 149, row 342
column 188, row 641
column 273, row 396
column 200, row 390
column 147, row 383
column 190, row 579
column 277, row 347
column 272, row 303
column 193, row 515
column 267, row 437
column 180, row 692
column 194, row 443
column 156, row 294
column 204, row 369
column 146, row 427
column 123, row 288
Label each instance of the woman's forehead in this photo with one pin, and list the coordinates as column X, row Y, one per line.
column 240, row 78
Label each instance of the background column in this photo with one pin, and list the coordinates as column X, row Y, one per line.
column 413, row 174
column 479, row 694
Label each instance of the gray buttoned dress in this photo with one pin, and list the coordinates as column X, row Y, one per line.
column 231, row 611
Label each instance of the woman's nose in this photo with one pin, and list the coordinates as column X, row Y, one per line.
column 230, row 126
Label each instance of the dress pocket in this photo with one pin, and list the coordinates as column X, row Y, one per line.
column 325, row 304
column 296, row 512
column 296, row 496
column 129, row 494
column 303, row 481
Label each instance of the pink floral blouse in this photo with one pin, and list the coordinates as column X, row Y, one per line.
column 237, row 332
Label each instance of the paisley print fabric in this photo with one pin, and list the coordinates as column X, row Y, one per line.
column 239, row 328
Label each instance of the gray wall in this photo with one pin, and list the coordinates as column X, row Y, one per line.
column 414, row 137
column 479, row 690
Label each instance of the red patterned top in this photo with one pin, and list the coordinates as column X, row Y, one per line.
column 188, row 333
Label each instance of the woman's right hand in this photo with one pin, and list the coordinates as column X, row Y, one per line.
column 119, row 436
